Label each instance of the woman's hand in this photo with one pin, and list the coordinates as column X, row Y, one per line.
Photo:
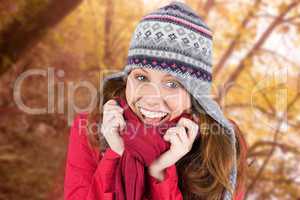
column 113, row 122
column 181, row 138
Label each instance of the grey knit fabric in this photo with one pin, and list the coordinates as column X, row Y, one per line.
column 174, row 39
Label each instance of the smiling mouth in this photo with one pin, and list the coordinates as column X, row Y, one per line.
column 152, row 118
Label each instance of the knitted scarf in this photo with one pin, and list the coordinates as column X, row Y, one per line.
column 143, row 143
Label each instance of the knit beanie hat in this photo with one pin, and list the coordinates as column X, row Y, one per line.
column 175, row 39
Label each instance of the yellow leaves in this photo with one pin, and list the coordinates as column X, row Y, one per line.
column 284, row 29
column 229, row 35
column 234, row 18
column 282, row 7
column 248, row 62
column 58, row 38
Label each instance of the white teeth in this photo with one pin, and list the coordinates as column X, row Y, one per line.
column 152, row 114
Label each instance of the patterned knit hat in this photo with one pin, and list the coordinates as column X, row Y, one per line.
column 174, row 39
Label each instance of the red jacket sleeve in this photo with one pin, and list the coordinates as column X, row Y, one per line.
column 240, row 195
column 168, row 188
column 88, row 174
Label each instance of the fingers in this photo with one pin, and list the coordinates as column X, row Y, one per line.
column 109, row 115
column 171, row 135
column 175, row 133
column 112, row 105
column 192, row 127
column 180, row 143
column 182, row 134
column 171, row 132
column 113, row 119
column 120, row 121
column 112, row 124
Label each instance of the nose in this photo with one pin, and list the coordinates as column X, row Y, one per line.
column 152, row 95
column 151, row 90
column 152, row 101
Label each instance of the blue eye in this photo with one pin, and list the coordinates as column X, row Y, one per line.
column 173, row 84
column 140, row 77
column 170, row 84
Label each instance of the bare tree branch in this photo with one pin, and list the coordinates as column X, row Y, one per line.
column 276, row 54
column 248, row 105
column 236, row 39
column 269, row 103
column 257, row 45
column 275, row 137
column 284, row 147
column 295, row 125
column 17, row 38
column 206, row 9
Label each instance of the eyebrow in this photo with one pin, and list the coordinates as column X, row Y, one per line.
column 143, row 70
column 169, row 75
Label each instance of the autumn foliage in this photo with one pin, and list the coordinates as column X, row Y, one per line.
column 256, row 81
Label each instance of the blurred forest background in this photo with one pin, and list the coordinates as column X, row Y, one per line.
column 256, row 81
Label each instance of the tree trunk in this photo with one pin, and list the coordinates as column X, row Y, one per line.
column 20, row 36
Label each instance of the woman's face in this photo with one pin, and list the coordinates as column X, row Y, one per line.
column 156, row 96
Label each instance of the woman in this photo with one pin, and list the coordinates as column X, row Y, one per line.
column 167, row 80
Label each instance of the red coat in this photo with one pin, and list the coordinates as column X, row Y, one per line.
column 89, row 175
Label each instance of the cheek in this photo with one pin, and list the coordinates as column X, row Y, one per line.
column 132, row 90
column 179, row 102
column 129, row 91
